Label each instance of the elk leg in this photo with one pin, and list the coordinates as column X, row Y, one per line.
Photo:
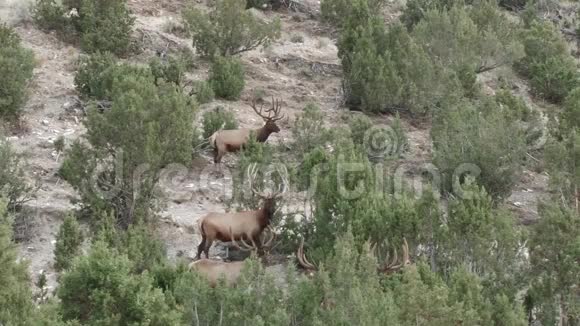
column 216, row 155
column 256, row 241
column 206, row 249
column 200, row 248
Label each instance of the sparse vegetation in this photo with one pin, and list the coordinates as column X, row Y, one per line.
column 16, row 64
column 229, row 29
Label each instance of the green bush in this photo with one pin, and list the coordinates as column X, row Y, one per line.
column 309, row 131
column 415, row 10
column 226, row 78
column 554, row 78
column 97, row 74
column 392, row 71
column 16, row 306
column 99, row 25
column 49, row 15
column 102, row 289
column 92, row 78
column 217, row 119
column 16, row 65
column 484, row 139
column 518, row 110
column 68, row 243
column 561, row 164
column 485, row 237
column 203, row 92
column 171, row 70
column 571, row 110
column 105, row 26
column 143, row 247
column 147, row 128
column 14, row 185
column 554, row 249
column 359, row 125
column 336, row 11
column 477, row 39
column 258, row 4
column 547, row 62
column 515, row 5
column 229, row 29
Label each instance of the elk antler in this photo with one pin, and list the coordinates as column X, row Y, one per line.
column 273, row 112
column 282, row 171
column 302, row 260
column 394, row 265
column 253, row 247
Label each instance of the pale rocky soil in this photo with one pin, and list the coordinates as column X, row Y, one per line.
column 295, row 72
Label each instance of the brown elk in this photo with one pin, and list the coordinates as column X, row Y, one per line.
column 389, row 268
column 246, row 225
column 224, row 141
column 213, row 270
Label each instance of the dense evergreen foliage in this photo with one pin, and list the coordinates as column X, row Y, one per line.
column 16, row 65
column 97, row 25
column 229, row 29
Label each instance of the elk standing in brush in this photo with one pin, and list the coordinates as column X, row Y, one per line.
column 213, row 270
column 247, row 225
column 224, row 141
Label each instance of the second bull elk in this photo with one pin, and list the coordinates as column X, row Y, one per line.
column 241, row 226
column 388, row 268
column 224, row 141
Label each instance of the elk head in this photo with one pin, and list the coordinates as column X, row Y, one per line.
column 270, row 116
column 394, row 265
column 269, row 198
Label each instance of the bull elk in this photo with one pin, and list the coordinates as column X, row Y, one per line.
column 213, row 270
column 241, row 226
column 224, row 141
column 388, row 268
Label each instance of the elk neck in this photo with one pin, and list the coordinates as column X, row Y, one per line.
column 263, row 133
column 267, row 211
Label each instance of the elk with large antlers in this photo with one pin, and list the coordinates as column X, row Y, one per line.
column 389, row 267
column 241, row 226
column 224, row 141
column 213, row 270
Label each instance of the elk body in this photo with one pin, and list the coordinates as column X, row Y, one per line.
column 239, row 226
column 214, row 270
column 224, row 141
